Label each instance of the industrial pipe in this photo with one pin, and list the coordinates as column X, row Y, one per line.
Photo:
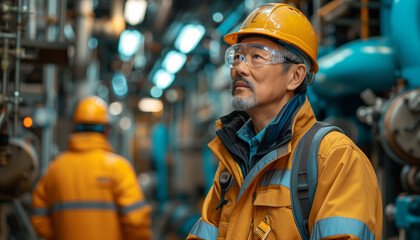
column 405, row 37
column 18, row 55
column 7, row 35
column 115, row 24
column 356, row 66
column 5, row 63
column 5, row 69
column 84, row 23
column 62, row 20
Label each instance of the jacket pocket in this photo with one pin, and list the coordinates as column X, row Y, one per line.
column 273, row 203
column 272, row 196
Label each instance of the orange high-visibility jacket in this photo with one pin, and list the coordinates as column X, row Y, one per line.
column 89, row 193
column 347, row 203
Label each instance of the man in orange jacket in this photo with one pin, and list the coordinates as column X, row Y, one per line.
column 271, row 60
column 89, row 192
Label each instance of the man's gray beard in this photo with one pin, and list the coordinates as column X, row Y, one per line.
column 243, row 104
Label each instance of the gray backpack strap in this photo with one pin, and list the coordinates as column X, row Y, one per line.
column 304, row 174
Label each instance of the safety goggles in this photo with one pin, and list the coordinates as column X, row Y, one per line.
column 253, row 54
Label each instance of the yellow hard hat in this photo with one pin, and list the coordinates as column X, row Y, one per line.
column 283, row 22
column 91, row 110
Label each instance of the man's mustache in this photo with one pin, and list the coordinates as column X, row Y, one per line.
column 242, row 79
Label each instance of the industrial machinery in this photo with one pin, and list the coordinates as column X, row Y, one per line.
column 19, row 154
column 395, row 124
column 384, row 73
column 367, row 85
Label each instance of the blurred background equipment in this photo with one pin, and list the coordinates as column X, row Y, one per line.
column 159, row 65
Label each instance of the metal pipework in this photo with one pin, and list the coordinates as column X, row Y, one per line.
column 87, row 25
column 405, row 37
column 7, row 35
column 5, row 67
column 7, row 10
column 5, row 63
column 84, row 23
column 356, row 66
column 405, row 28
column 18, row 174
column 410, row 179
column 399, row 127
column 50, row 88
column 62, row 20
column 115, row 24
column 18, row 54
column 30, row 32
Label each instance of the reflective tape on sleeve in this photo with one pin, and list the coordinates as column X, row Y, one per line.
column 132, row 207
column 204, row 230
column 341, row 225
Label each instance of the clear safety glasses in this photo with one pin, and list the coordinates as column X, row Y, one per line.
column 253, row 55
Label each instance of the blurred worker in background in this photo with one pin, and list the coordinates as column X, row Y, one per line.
column 272, row 59
column 89, row 192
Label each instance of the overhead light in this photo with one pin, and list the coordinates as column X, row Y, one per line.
column 139, row 61
column 69, row 32
column 217, row 17
column 93, row 43
column 125, row 123
column 135, row 11
column 232, row 20
column 150, row 105
column 156, row 92
column 163, row 79
column 27, row 122
column 103, row 91
column 189, row 37
column 174, row 95
column 174, row 61
column 43, row 117
column 115, row 108
column 130, row 41
column 119, row 85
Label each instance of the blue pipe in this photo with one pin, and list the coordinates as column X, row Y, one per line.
column 385, row 18
column 160, row 144
column 405, row 38
column 375, row 63
column 354, row 67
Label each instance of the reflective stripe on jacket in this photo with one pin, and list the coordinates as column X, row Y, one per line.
column 347, row 203
column 90, row 193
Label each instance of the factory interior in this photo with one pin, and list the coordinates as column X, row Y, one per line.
column 159, row 65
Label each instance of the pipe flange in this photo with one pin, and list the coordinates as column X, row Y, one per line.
column 410, row 179
column 401, row 128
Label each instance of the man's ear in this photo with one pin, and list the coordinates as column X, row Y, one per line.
column 298, row 72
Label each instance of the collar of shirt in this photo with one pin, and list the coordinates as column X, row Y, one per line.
column 247, row 133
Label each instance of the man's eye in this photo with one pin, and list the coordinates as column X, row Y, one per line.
column 257, row 56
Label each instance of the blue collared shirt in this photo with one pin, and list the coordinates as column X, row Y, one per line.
column 247, row 133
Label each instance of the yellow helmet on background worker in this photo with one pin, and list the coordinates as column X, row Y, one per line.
column 91, row 110
column 282, row 22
